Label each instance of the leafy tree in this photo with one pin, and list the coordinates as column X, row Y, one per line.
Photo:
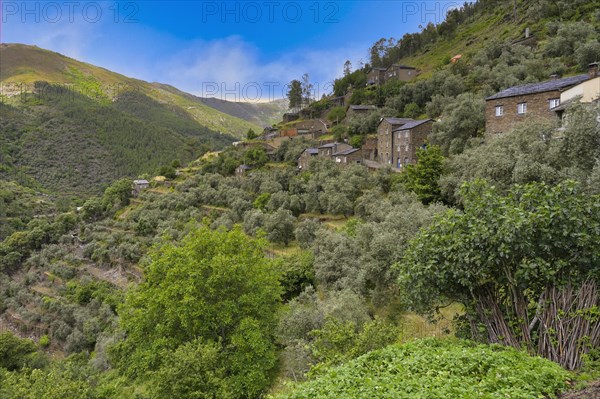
column 307, row 90
column 294, row 94
column 262, row 201
column 297, row 273
column 54, row 383
column 462, row 120
column 256, row 157
column 280, row 226
column 118, row 194
column 412, row 110
column 347, row 68
column 423, row 178
column 306, row 232
column 194, row 370
column 15, row 353
column 251, row 134
column 216, row 286
column 519, row 263
column 588, row 53
column 167, row 171
column 336, row 114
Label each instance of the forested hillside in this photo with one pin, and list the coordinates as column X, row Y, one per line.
column 24, row 65
column 72, row 128
column 563, row 40
column 264, row 113
column 473, row 273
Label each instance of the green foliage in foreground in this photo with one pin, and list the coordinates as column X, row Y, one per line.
column 423, row 178
column 214, row 295
column 503, row 255
column 433, row 368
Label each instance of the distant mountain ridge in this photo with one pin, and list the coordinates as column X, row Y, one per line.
column 72, row 127
column 22, row 65
column 261, row 113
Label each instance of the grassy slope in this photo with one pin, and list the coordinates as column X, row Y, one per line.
column 262, row 114
column 471, row 37
column 22, row 64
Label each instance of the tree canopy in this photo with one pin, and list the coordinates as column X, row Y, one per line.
column 522, row 263
column 215, row 293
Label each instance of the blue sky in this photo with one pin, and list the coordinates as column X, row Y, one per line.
column 235, row 50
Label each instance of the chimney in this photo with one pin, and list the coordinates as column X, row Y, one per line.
column 593, row 69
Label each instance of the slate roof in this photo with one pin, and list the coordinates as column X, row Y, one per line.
column 346, row 152
column 396, row 121
column 312, row 151
column 143, row 181
column 549, row 85
column 329, row 145
column 403, row 66
column 378, row 69
column 411, row 125
column 361, row 107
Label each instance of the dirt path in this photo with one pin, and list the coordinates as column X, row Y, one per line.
column 591, row 392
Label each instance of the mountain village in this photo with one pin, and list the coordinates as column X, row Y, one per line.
column 396, row 140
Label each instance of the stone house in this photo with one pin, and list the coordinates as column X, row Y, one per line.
column 359, row 110
column 242, row 170
column 376, row 76
column 328, row 150
column 290, row 117
column 350, row 156
column 587, row 92
column 404, row 73
column 408, row 138
column 305, row 157
column 504, row 110
column 289, row 132
column 337, row 101
column 369, row 148
column 139, row 186
column 311, row 126
column 385, row 139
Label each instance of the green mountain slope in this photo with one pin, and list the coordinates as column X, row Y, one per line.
column 72, row 128
column 22, row 65
column 263, row 114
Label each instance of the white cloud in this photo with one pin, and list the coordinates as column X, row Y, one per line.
column 229, row 68
column 235, row 70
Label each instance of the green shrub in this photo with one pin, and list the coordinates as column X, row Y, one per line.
column 434, row 368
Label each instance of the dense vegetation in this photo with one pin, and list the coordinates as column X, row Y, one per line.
column 308, row 285
column 438, row 369
column 71, row 143
column 567, row 41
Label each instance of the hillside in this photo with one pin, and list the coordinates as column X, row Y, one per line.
column 87, row 126
column 22, row 64
column 262, row 113
column 473, row 272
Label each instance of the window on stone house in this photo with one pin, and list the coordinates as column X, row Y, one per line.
column 521, row 108
column 499, row 110
column 554, row 102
